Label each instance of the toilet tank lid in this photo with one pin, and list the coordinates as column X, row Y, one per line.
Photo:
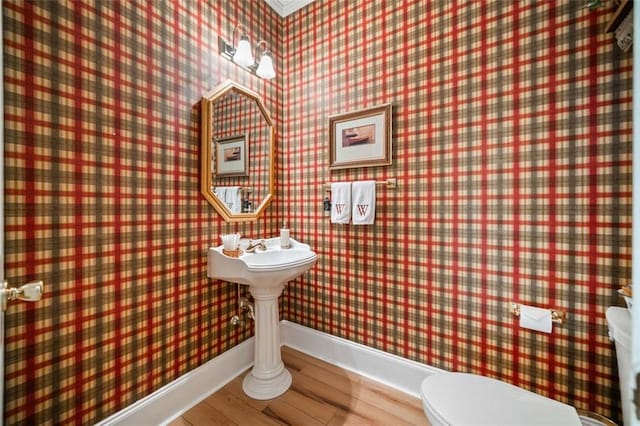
column 619, row 320
column 463, row 399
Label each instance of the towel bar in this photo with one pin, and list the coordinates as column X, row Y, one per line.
column 556, row 316
column 391, row 183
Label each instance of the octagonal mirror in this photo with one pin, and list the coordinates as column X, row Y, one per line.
column 237, row 145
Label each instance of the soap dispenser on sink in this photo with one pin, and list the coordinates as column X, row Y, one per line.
column 285, row 241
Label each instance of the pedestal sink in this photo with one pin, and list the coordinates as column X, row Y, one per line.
column 265, row 272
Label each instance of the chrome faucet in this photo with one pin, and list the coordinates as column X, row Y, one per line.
column 251, row 248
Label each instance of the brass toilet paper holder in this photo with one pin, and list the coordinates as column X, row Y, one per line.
column 556, row 316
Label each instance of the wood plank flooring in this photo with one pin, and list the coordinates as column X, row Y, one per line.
column 321, row 394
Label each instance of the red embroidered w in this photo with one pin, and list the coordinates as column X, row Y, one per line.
column 362, row 209
column 339, row 208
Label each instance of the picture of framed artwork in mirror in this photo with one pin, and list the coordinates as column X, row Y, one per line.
column 232, row 156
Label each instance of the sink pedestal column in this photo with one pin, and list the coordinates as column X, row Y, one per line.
column 268, row 378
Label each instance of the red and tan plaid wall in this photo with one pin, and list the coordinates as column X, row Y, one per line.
column 512, row 141
column 512, row 150
column 103, row 202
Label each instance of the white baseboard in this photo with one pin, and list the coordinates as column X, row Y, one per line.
column 170, row 401
column 173, row 399
column 388, row 369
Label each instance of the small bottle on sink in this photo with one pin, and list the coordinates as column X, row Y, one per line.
column 285, row 242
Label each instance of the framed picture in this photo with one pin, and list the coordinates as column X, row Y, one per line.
column 360, row 138
column 232, row 156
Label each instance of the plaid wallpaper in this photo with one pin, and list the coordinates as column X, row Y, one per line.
column 512, row 150
column 512, row 141
column 102, row 198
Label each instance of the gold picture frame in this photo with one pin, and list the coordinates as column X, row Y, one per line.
column 232, row 156
column 360, row 138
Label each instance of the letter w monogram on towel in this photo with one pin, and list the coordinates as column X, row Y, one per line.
column 340, row 208
column 362, row 209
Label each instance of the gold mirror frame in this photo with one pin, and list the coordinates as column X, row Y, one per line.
column 206, row 181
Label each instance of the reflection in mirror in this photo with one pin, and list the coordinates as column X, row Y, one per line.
column 237, row 152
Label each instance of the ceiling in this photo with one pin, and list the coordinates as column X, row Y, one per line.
column 287, row 7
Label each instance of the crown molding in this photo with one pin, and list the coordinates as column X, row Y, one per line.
column 285, row 8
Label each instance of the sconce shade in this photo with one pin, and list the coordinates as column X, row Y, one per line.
column 265, row 67
column 243, row 55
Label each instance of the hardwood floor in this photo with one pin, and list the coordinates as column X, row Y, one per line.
column 321, row 394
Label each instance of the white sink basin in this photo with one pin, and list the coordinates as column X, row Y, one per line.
column 261, row 268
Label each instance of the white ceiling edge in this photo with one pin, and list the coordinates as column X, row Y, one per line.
column 287, row 7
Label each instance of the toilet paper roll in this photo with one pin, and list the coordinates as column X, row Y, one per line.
column 533, row 318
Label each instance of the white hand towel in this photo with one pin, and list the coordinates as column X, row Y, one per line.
column 221, row 192
column 233, row 199
column 340, row 202
column 363, row 195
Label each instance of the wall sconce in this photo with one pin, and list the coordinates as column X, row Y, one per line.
column 243, row 55
column 265, row 66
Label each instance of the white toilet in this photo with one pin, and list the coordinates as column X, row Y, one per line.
column 469, row 399
column 619, row 320
column 458, row 399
